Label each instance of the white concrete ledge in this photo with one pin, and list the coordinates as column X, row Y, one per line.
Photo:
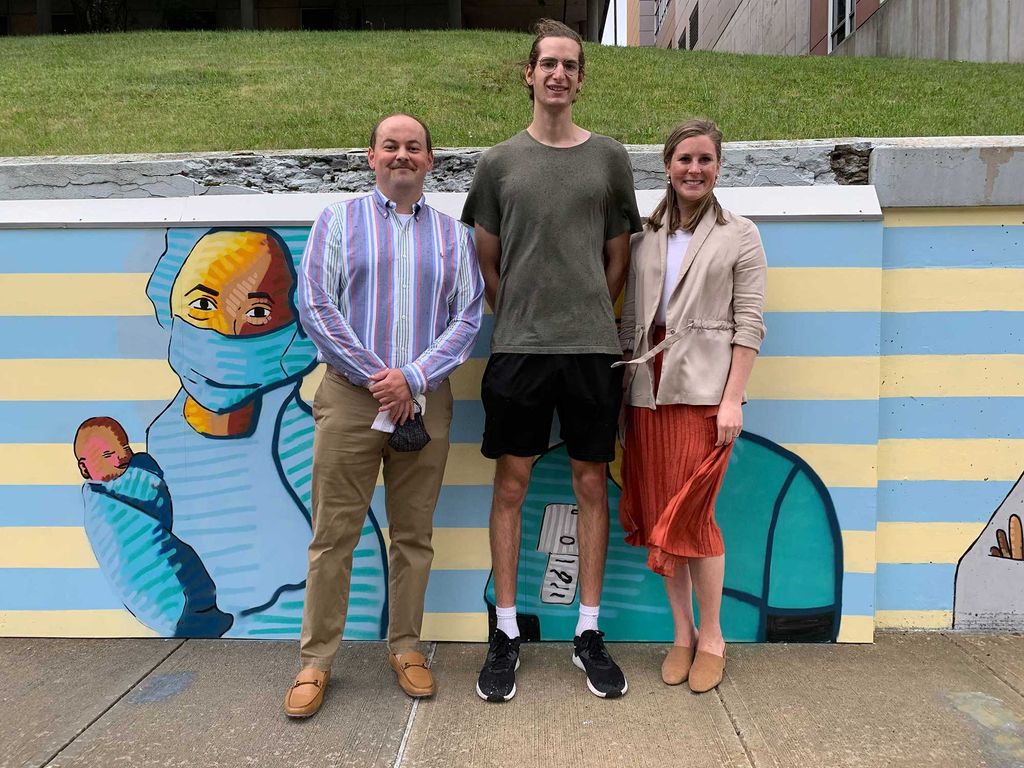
column 833, row 203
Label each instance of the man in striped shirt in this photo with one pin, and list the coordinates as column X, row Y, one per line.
column 390, row 293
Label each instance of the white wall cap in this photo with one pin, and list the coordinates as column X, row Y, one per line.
column 835, row 203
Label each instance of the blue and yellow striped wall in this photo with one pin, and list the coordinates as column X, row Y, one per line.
column 892, row 366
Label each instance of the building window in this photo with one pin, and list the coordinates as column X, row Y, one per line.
column 840, row 21
column 694, row 22
column 660, row 9
column 681, row 45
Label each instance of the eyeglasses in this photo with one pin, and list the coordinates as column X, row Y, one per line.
column 569, row 66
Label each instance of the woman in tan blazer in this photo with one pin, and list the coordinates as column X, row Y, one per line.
column 692, row 324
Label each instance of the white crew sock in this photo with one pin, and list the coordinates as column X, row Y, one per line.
column 507, row 621
column 588, row 618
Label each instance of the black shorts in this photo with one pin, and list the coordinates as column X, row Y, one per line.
column 520, row 393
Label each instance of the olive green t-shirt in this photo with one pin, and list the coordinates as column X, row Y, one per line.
column 553, row 209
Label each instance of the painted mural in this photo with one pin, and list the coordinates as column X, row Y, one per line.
column 156, row 446
column 783, row 548
column 990, row 575
column 205, row 533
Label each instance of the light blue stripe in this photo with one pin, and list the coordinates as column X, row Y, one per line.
column 135, row 338
column 855, row 508
column 821, row 333
column 55, row 589
column 46, row 505
column 858, row 594
column 940, row 501
column 981, row 246
column 952, row 417
column 952, row 333
column 822, row 244
column 456, row 592
column 813, row 421
column 915, row 586
column 80, row 250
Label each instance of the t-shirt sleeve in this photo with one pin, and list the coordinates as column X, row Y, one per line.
column 482, row 206
column 623, row 215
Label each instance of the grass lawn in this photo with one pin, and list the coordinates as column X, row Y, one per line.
column 179, row 91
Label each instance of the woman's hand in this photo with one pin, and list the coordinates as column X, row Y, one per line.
column 730, row 422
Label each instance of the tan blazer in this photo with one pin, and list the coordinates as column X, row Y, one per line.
column 718, row 302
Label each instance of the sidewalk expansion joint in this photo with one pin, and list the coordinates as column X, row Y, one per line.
column 112, row 704
column 736, row 727
column 971, row 654
column 412, row 716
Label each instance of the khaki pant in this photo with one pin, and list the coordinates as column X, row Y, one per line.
column 347, row 456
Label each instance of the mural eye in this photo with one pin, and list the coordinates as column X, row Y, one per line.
column 203, row 303
column 259, row 314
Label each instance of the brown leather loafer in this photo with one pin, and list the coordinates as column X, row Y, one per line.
column 707, row 671
column 307, row 693
column 413, row 674
column 676, row 666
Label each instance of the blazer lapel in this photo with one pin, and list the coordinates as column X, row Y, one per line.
column 657, row 276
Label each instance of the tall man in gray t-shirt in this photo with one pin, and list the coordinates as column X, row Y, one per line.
column 553, row 208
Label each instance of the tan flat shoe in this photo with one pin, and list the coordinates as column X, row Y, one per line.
column 676, row 666
column 307, row 693
column 707, row 671
column 413, row 674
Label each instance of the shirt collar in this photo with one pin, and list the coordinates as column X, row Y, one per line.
column 385, row 206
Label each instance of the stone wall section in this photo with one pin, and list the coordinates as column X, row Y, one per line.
column 906, row 172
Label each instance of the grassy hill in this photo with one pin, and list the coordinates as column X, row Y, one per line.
column 170, row 92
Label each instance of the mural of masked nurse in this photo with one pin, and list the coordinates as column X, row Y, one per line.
column 235, row 444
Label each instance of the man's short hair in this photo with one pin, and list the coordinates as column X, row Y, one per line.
column 549, row 28
column 426, row 131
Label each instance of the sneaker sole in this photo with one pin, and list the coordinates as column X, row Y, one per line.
column 611, row 694
column 498, row 699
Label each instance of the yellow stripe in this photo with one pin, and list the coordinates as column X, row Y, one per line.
column 953, row 290
column 859, row 551
column 839, row 289
column 996, row 215
column 87, row 380
column 455, row 627
column 54, row 464
column 951, row 375
column 913, row 619
column 814, row 378
column 842, row 466
column 857, row 629
column 457, row 549
column 93, row 295
column 773, row 378
column 45, row 547
column 964, row 459
column 115, row 622
column 925, row 542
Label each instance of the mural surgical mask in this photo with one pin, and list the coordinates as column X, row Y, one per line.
column 222, row 372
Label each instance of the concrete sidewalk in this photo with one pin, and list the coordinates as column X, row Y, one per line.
column 908, row 700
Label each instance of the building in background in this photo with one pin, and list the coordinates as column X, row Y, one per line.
column 969, row 30
column 20, row 17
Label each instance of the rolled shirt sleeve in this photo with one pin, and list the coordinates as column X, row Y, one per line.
column 749, row 279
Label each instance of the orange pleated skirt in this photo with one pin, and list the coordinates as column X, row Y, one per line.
column 671, row 475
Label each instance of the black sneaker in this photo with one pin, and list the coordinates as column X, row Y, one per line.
column 497, row 681
column 604, row 678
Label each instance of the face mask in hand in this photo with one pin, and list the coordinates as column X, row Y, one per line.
column 223, row 372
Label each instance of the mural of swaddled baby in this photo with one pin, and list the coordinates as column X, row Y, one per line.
column 205, row 534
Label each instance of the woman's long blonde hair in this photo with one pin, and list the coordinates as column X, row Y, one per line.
column 689, row 129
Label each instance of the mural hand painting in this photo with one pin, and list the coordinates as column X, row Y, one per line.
column 232, row 449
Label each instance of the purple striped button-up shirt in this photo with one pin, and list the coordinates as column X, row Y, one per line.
column 377, row 293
